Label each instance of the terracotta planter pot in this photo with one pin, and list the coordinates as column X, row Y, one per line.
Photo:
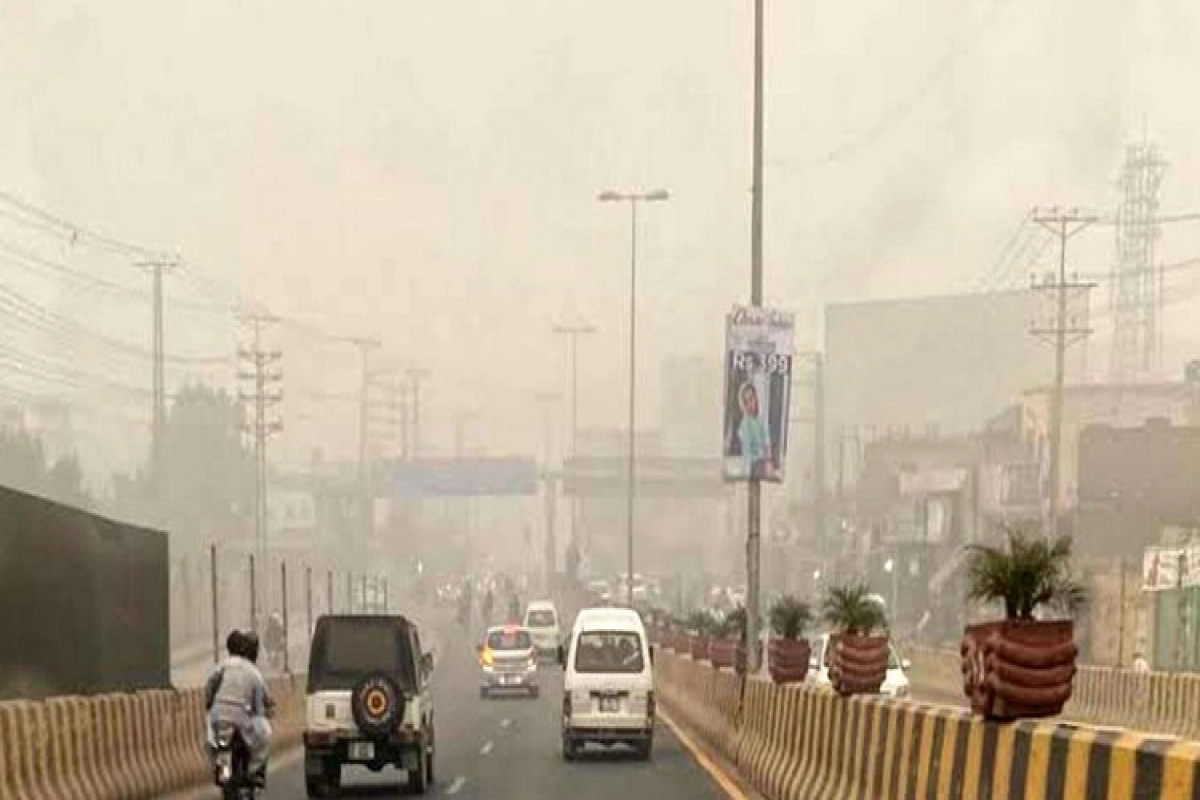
column 1019, row 669
column 698, row 646
column 859, row 663
column 723, row 653
column 787, row 660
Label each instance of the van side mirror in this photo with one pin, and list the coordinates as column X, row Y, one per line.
column 905, row 665
column 562, row 656
column 427, row 663
column 653, row 652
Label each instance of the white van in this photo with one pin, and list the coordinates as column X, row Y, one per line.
column 541, row 620
column 608, row 689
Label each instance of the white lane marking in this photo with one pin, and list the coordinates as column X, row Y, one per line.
column 505, row 723
column 487, row 748
column 457, row 786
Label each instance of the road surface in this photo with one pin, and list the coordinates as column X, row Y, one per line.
column 508, row 749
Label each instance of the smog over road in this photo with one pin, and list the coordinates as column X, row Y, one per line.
column 853, row 347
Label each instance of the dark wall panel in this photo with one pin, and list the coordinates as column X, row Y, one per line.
column 83, row 601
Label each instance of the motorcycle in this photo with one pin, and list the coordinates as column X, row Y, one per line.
column 232, row 766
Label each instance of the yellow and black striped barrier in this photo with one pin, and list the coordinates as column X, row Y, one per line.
column 136, row 745
column 803, row 743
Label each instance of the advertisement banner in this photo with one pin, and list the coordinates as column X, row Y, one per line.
column 758, row 386
column 1160, row 569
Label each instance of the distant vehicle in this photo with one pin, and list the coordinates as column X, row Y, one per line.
column 600, row 589
column 608, row 688
column 370, row 701
column 894, row 685
column 541, row 618
column 508, row 662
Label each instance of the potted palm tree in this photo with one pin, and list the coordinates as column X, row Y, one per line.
column 729, row 640
column 788, row 652
column 1022, row 666
column 859, row 641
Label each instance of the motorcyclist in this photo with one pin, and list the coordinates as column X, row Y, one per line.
column 236, row 695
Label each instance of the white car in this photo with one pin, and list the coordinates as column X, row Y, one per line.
column 894, row 685
column 608, row 688
column 541, row 620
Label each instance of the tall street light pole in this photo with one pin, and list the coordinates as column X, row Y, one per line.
column 754, row 500
column 633, row 199
column 574, row 332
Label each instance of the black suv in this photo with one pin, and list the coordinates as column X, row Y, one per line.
column 369, row 701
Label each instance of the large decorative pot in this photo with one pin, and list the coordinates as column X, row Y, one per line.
column 723, row 653
column 859, row 663
column 787, row 660
column 1019, row 669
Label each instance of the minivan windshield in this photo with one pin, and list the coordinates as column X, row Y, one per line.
column 608, row 652
column 347, row 650
column 541, row 618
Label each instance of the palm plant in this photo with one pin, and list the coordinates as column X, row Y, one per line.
column 850, row 609
column 789, row 617
column 1029, row 572
column 734, row 624
column 701, row 622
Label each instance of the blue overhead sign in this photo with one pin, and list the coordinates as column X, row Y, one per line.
column 464, row 477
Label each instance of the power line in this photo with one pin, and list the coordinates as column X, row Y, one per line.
column 73, row 231
column 40, row 318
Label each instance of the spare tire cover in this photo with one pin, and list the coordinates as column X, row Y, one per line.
column 377, row 705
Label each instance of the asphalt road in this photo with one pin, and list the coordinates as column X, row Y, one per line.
column 508, row 749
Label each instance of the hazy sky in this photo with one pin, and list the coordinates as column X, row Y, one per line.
column 426, row 171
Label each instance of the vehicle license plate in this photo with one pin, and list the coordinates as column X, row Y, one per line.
column 362, row 751
column 610, row 705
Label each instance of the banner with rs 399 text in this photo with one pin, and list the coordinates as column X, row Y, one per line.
column 758, row 387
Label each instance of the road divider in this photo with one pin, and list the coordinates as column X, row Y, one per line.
column 1161, row 702
column 130, row 746
column 804, row 742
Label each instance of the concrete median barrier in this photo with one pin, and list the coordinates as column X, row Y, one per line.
column 124, row 746
column 801, row 742
column 1157, row 702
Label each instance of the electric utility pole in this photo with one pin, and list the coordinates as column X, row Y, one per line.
column 1066, row 329
column 366, row 508
column 261, row 378
column 157, row 267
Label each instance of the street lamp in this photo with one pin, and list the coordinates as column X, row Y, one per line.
column 633, row 199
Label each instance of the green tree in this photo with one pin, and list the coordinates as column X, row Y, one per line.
column 208, row 472
column 24, row 466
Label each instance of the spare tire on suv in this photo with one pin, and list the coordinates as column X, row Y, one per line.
column 377, row 705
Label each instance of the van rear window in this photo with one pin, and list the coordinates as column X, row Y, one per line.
column 539, row 619
column 609, row 652
column 346, row 651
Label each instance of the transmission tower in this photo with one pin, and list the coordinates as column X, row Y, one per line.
column 260, row 377
column 1136, row 293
